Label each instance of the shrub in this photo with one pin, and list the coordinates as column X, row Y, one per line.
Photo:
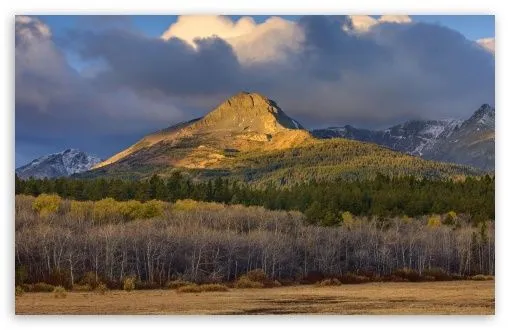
column 434, row 221
column 89, row 278
column 101, row 288
column 481, row 277
column 189, row 205
column 153, row 208
column 129, row 284
column 147, row 285
column 394, row 278
column 59, row 292
column 192, row 288
column 438, row 274
column 287, row 282
column 330, row 282
column 213, row 288
column 245, row 283
column 131, row 210
column 43, row 287
column 19, row 291
column 347, row 219
column 81, row 210
column 46, row 204
column 82, row 288
column 257, row 275
column 27, row 287
column 312, row 277
column 185, row 205
column 408, row 274
column 21, row 275
column 458, row 277
column 177, row 284
column 105, row 209
column 451, row 218
column 275, row 284
column 351, row 278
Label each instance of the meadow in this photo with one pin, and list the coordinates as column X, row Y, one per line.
column 436, row 298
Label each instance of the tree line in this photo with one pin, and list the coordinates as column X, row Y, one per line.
column 322, row 202
column 213, row 242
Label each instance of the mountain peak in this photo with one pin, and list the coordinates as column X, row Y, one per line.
column 485, row 108
column 249, row 112
column 485, row 116
column 63, row 163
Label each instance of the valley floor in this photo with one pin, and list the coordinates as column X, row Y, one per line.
column 456, row 297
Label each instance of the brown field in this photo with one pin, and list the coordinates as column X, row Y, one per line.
column 458, row 297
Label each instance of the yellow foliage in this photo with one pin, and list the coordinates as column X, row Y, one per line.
column 46, row 204
column 434, row 221
column 129, row 284
column 131, row 209
column 81, row 210
column 348, row 219
column 185, row 205
column 452, row 215
column 105, row 209
column 189, row 204
column 108, row 209
column 153, row 208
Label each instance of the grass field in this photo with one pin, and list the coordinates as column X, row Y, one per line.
column 458, row 297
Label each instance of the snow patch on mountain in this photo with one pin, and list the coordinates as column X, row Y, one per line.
column 64, row 163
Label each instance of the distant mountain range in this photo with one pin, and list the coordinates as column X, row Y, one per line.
column 469, row 142
column 248, row 137
column 64, row 163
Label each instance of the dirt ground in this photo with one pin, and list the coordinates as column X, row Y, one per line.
column 458, row 297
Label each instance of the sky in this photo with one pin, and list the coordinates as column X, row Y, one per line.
column 100, row 83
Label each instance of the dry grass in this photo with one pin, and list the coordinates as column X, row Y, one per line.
column 329, row 282
column 245, row 283
column 454, row 297
column 177, row 284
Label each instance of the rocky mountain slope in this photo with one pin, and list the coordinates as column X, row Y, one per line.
column 469, row 142
column 249, row 137
column 244, row 122
column 472, row 142
column 62, row 163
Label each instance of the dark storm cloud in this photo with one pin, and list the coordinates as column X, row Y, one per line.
column 393, row 73
column 172, row 66
column 57, row 108
column 328, row 50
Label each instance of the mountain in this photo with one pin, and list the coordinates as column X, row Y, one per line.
column 472, row 142
column 244, row 122
column 250, row 138
column 64, row 163
column 469, row 142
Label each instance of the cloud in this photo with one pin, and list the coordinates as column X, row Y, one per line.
column 488, row 43
column 363, row 23
column 56, row 107
column 320, row 70
column 400, row 19
column 251, row 42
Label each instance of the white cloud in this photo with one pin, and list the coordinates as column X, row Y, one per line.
column 363, row 23
column 252, row 42
column 401, row 19
column 488, row 43
column 30, row 28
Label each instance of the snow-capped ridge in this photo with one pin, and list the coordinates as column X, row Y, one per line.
column 63, row 163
